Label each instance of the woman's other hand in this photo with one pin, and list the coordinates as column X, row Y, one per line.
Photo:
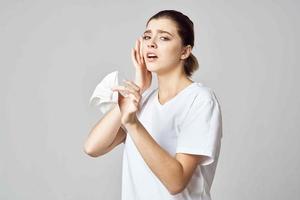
column 143, row 77
column 129, row 97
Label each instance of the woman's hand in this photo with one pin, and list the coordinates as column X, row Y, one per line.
column 143, row 77
column 128, row 99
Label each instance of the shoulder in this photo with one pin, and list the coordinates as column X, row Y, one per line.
column 203, row 100
column 204, row 106
column 203, row 93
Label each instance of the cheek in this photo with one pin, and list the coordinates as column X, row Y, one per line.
column 171, row 52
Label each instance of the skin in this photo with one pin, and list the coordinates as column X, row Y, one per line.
column 174, row 172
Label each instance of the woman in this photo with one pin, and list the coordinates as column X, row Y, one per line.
column 172, row 134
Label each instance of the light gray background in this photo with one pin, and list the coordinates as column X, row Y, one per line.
column 54, row 53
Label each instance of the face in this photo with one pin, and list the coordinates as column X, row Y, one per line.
column 161, row 39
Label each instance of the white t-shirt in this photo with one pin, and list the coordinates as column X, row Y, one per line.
column 190, row 123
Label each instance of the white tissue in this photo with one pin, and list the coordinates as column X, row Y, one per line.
column 103, row 97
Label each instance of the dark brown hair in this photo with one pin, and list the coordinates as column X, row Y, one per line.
column 185, row 28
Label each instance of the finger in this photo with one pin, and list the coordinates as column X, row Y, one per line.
column 126, row 90
column 133, row 98
column 135, row 87
column 127, row 93
column 132, row 84
column 124, row 94
column 141, row 50
column 137, row 51
column 133, row 57
column 136, row 103
column 136, row 94
column 118, row 89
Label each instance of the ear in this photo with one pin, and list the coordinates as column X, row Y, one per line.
column 186, row 52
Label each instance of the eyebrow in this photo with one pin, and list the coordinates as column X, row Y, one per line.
column 158, row 30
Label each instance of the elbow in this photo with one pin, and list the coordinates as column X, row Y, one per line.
column 176, row 191
column 90, row 151
column 178, row 184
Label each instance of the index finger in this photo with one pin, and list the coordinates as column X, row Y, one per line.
column 137, row 88
column 140, row 47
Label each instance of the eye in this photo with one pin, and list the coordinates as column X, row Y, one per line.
column 145, row 37
column 165, row 38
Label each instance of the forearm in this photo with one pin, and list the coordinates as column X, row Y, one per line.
column 104, row 132
column 161, row 163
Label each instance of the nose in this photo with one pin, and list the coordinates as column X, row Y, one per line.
column 152, row 44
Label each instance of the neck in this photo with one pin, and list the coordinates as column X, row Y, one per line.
column 169, row 84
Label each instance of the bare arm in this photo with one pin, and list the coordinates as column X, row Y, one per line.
column 106, row 134
column 174, row 172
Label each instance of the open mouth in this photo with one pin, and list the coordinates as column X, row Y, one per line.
column 151, row 57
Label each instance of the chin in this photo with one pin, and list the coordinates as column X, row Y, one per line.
column 151, row 67
column 154, row 68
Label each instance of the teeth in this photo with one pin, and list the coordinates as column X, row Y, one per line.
column 151, row 55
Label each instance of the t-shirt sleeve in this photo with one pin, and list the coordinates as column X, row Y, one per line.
column 201, row 130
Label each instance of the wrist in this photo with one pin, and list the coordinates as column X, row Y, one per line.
column 132, row 125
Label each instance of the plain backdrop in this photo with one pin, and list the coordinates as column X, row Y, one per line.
column 54, row 53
